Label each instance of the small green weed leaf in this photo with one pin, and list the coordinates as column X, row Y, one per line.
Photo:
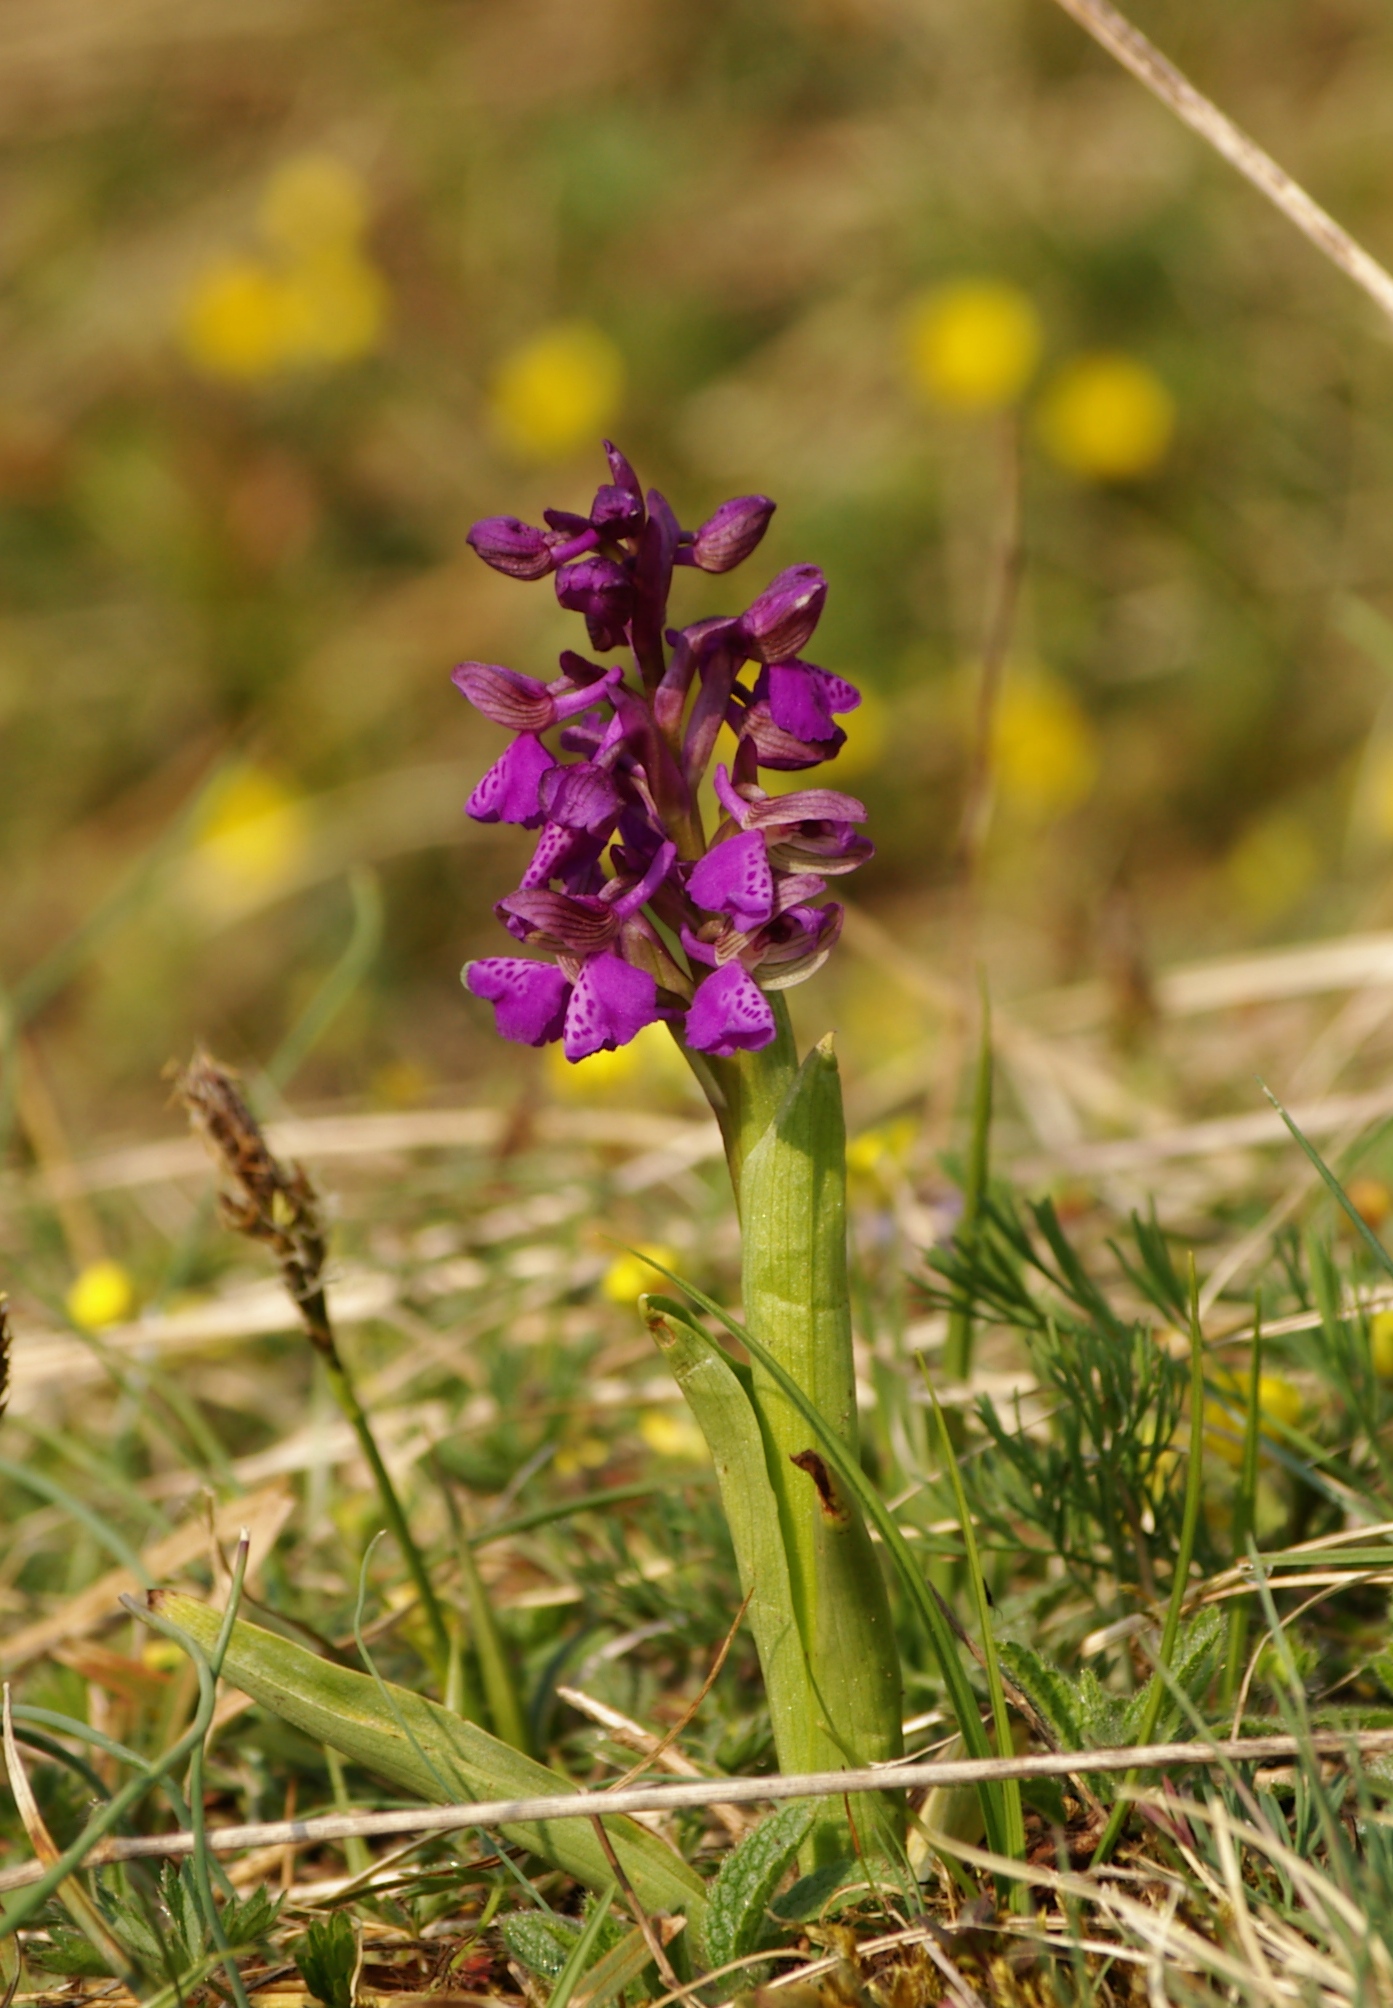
column 810, row 1895
column 70, row 1952
column 540, row 1940
column 249, row 1921
column 1192, row 1669
column 326, row 1957
column 184, row 1917
column 739, row 1893
column 1047, row 1688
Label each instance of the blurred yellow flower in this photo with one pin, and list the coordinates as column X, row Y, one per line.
column 253, row 834
column 673, row 1436
column 316, row 300
column 1278, row 1402
column 313, row 202
column 875, row 1158
column 650, row 1058
column 1273, row 865
column 587, row 1453
column 1381, row 1343
column 558, row 391
column 1045, row 748
column 233, row 322
column 1107, row 417
column 867, row 729
column 972, row 345
column 629, row 1275
column 102, row 1294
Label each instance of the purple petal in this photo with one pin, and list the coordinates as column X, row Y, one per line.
column 528, row 998
column 510, row 792
column 797, row 702
column 582, row 797
column 580, row 926
column 735, row 878
column 512, row 547
column 518, row 702
column 784, row 751
column 639, row 895
column 570, row 855
column 611, row 1001
column 729, row 1014
column 785, row 614
column 726, row 539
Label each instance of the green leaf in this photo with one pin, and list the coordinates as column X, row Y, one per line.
column 248, row 1921
column 717, row 1394
column 540, row 1940
column 797, row 1301
column 1047, row 1688
column 334, row 1705
column 738, row 1896
column 326, row 1957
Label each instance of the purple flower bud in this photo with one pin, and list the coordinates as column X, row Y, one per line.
column 621, row 473
column 727, row 538
column 512, row 547
column 617, row 512
column 510, row 792
column 754, row 810
column 611, row 1002
column 729, row 1014
column 528, row 998
column 566, row 522
column 785, row 614
column 735, row 878
column 595, row 586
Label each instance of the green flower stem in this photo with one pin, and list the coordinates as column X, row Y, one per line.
column 799, row 1534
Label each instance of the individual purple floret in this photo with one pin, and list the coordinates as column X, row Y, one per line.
column 621, row 844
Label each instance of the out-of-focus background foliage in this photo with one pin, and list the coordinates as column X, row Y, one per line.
column 293, row 290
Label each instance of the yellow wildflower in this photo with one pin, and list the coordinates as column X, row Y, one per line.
column 1045, row 748
column 253, row 835
column 1107, row 417
column 1381, row 1343
column 629, row 1275
column 558, row 391
column 313, row 202
column 972, row 345
column 1278, row 1402
column 102, row 1294
column 233, row 322
column 673, row 1436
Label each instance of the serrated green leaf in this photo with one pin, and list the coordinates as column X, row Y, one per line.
column 540, row 1940
column 326, row 1957
column 1047, row 1688
column 738, row 1896
column 334, row 1705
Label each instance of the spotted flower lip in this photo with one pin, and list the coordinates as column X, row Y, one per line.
column 622, row 869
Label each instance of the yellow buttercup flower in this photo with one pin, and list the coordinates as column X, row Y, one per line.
column 1107, row 417
column 1381, row 1343
column 673, row 1436
column 316, row 300
column 558, row 391
column 102, row 1294
column 1273, row 866
column 1045, row 748
column 972, row 345
column 1278, row 1401
column 651, row 1058
column 312, row 203
column 252, row 836
column 629, row 1275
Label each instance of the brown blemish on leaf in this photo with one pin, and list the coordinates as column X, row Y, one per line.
column 809, row 1461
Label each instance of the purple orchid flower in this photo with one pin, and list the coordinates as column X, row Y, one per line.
column 614, row 802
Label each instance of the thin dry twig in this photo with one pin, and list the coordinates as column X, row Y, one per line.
column 1115, row 33
column 738, row 1791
